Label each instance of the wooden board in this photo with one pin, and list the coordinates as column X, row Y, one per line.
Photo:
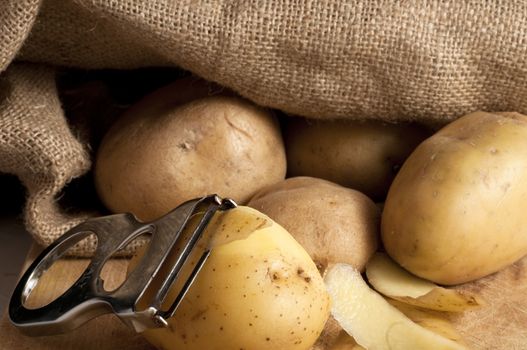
column 502, row 324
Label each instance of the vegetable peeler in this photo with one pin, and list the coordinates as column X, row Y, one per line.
column 181, row 231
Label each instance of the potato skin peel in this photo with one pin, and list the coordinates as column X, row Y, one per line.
column 371, row 320
column 454, row 212
column 393, row 281
column 435, row 321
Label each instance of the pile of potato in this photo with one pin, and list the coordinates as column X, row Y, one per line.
column 445, row 207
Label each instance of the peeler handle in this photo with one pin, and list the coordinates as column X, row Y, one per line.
column 80, row 302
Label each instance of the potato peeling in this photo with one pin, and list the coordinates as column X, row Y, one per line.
column 435, row 321
column 391, row 280
column 371, row 320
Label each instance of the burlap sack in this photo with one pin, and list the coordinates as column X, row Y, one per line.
column 16, row 19
column 37, row 145
column 426, row 60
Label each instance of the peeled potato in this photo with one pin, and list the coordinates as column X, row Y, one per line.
column 371, row 320
column 259, row 289
column 393, row 281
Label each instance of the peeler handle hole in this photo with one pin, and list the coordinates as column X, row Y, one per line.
column 117, row 267
column 56, row 274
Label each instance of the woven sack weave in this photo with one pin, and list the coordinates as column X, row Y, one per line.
column 426, row 60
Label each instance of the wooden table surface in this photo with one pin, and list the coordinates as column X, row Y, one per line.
column 103, row 333
column 502, row 324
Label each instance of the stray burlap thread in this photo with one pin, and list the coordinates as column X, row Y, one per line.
column 428, row 60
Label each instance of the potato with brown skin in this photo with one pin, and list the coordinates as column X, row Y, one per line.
column 158, row 156
column 455, row 212
column 333, row 223
column 364, row 156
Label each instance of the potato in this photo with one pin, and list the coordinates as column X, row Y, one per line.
column 391, row 280
column 259, row 289
column 455, row 211
column 156, row 157
column 333, row 223
column 364, row 156
column 371, row 320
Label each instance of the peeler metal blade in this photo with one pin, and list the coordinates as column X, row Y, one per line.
column 177, row 250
